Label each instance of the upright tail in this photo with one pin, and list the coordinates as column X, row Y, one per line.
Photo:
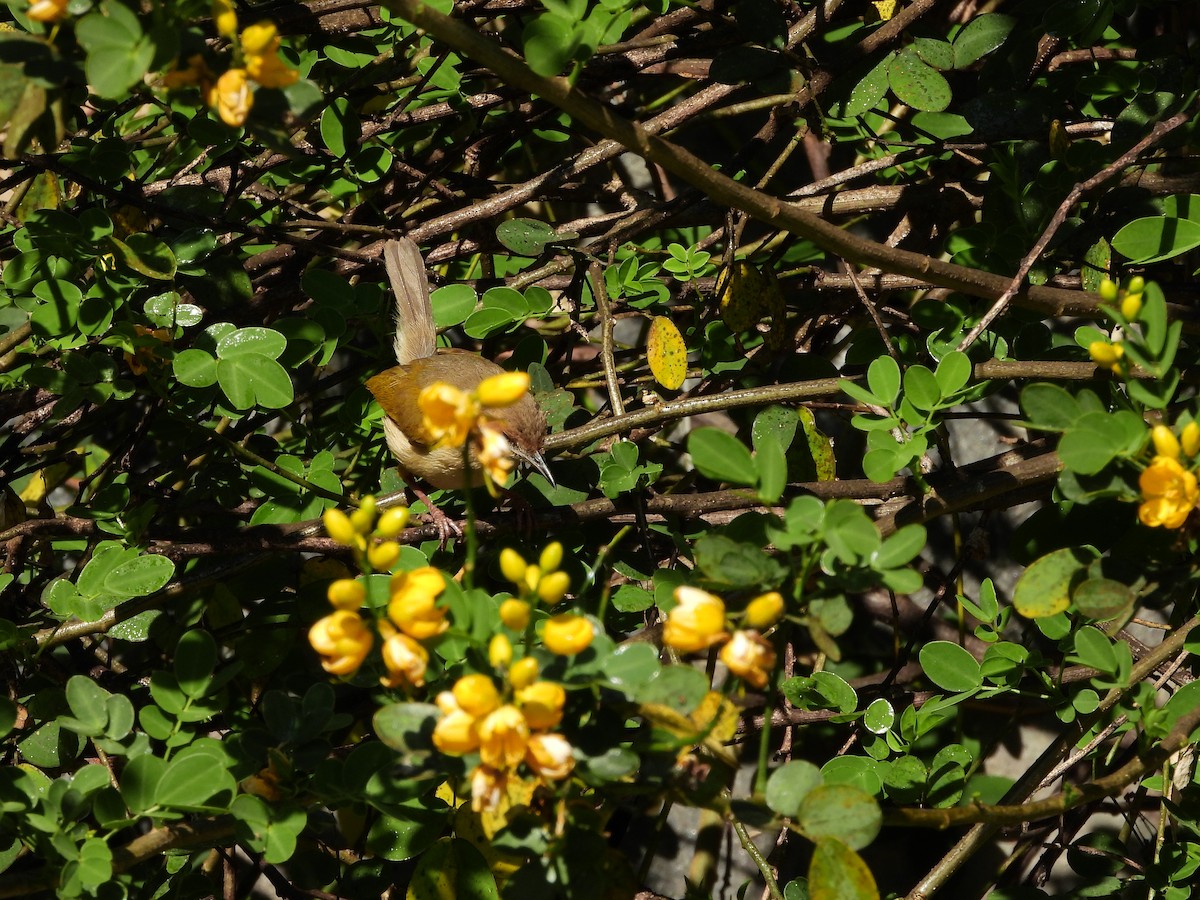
column 416, row 337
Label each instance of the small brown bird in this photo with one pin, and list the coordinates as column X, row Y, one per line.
column 422, row 364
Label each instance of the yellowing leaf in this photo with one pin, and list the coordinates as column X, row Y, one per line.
column 819, row 445
column 468, row 825
column 1060, row 143
column 667, row 353
column 747, row 296
column 1044, row 588
column 886, row 8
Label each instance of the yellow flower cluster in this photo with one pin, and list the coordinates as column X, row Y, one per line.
column 1169, row 490
column 452, row 416
column 697, row 622
column 507, row 730
column 565, row 634
column 1129, row 297
column 342, row 638
column 371, row 535
column 232, row 94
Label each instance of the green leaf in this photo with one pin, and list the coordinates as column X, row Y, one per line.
column 840, row 811
column 525, row 237
column 900, row 547
column 550, row 43
column 271, row 830
column 452, row 867
column 195, row 659
column 1044, row 588
column 680, row 688
column 341, row 128
column 452, row 304
column 917, row 84
column 789, row 785
column 836, row 872
column 953, row 372
column 1102, row 599
column 119, row 53
column 406, row 727
column 772, row 472
column 246, row 341
column 950, row 667
column 1093, row 441
column 869, row 90
column 146, row 255
column 883, row 378
column 188, row 782
column 981, row 36
column 1155, row 238
column 921, row 388
column 849, row 531
column 139, row 577
column 776, row 424
column 1094, row 649
column 195, row 368
column 879, row 716
column 139, row 782
column 1049, row 406
column 631, row 665
column 251, row 379
column 939, row 54
column 720, row 456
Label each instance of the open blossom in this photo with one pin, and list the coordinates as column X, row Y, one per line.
column 232, row 98
column 567, row 635
column 46, row 10
column 750, row 657
column 413, row 607
column 488, row 787
column 503, row 736
column 542, row 703
column 696, row 622
column 344, row 641
column 405, row 660
column 495, row 454
column 550, row 756
column 456, row 732
column 448, row 414
column 1169, row 493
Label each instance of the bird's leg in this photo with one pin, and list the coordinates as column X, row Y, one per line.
column 446, row 527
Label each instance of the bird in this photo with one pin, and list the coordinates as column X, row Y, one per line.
column 420, row 364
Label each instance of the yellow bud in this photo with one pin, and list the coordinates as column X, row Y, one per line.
column 512, row 565
column 363, row 519
column 1131, row 306
column 383, row 556
column 346, row 593
column 504, row 389
column 338, row 527
column 500, row 652
column 523, row 673
column 763, row 612
column 533, row 575
column 1136, row 285
column 515, row 614
column 551, row 557
column 262, row 37
column 1190, row 438
column 224, row 18
column 1105, row 354
column 1165, row 442
column 392, row 522
column 552, row 587
column 1108, row 290
column 476, row 694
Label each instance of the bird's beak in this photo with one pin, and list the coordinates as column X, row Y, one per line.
column 535, row 461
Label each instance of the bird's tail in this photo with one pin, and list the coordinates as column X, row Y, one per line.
column 416, row 336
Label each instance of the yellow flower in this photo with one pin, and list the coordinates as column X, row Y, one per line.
column 1165, row 442
column 749, row 656
column 567, row 635
column 512, row 565
column 270, row 71
column 406, row 661
column 495, row 454
column 1169, row 493
column 346, row 593
column 456, row 733
column 514, row 614
column 46, row 10
column 1190, row 438
column 476, row 695
column 504, row 389
column 1107, row 355
column 231, row 97
column 549, row 755
column 259, row 38
column 488, row 787
column 542, row 703
column 196, row 74
column 503, row 737
column 696, row 622
column 523, row 673
column 448, row 414
column 225, row 18
column 500, row 651
column 343, row 639
column 763, row 612
column 413, row 607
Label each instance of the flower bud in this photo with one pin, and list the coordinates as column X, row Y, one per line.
column 504, row 389
column 346, row 593
column 363, row 519
column 533, row 574
column 500, row 651
column 1190, row 438
column 1165, row 442
column 224, row 18
column 763, row 612
column 383, row 556
column 261, row 37
column 512, row 565
column 456, row 733
column 392, row 522
column 551, row 558
column 1131, row 306
column 514, row 614
column 552, row 587
column 1108, row 290
column 523, row 673
column 1136, row 285
column 1105, row 354
column 338, row 527
column 476, row 694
